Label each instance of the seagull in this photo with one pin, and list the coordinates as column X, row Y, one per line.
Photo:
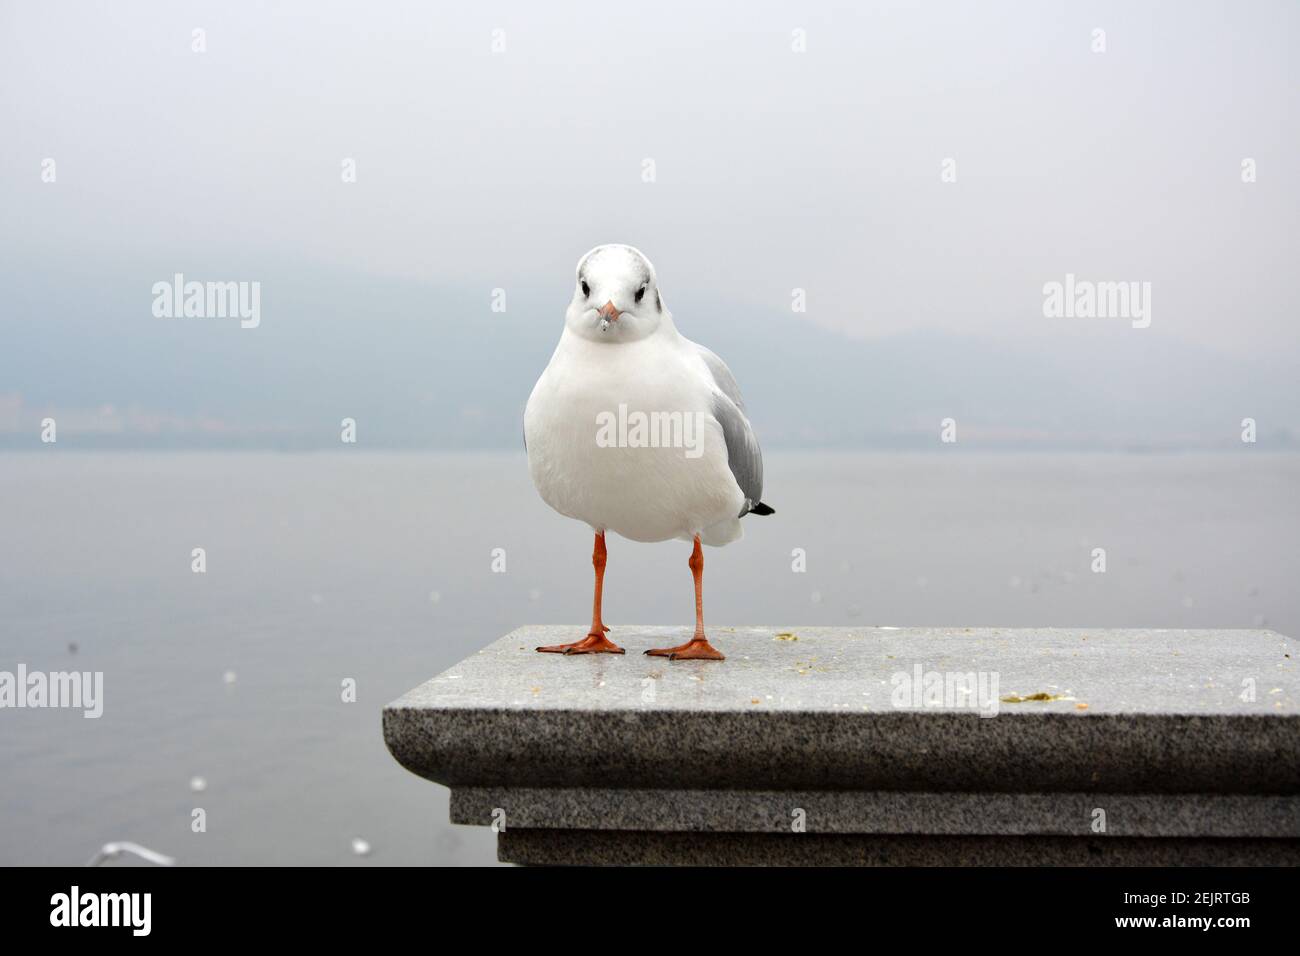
column 633, row 428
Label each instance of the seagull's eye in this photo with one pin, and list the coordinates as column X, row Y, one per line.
column 586, row 289
column 640, row 293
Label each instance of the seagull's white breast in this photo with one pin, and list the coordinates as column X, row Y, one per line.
column 589, row 461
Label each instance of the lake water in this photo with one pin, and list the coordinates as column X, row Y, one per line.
column 378, row 568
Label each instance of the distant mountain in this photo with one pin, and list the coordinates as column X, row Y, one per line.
column 420, row 365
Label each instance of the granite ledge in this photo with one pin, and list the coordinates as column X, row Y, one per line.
column 813, row 709
column 617, row 848
column 826, row 811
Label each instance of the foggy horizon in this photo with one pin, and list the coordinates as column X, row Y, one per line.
column 913, row 177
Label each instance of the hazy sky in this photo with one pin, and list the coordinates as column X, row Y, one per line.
column 774, row 169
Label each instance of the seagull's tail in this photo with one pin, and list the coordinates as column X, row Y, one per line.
column 762, row 509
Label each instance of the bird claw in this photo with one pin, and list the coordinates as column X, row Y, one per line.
column 696, row 649
column 594, row 643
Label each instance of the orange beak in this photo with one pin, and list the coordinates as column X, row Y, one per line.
column 609, row 312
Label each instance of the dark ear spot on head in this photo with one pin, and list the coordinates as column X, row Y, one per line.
column 659, row 302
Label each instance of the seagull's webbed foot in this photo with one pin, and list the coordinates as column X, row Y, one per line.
column 594, row 643
column 697, row 648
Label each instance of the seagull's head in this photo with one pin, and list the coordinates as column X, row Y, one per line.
column 615, row 296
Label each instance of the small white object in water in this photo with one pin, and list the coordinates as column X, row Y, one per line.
column 360, row 847
column 434, row 597
column 111, row 851
column 198, row 784
column 816, row 597
column 316, row 599
column 230, row 677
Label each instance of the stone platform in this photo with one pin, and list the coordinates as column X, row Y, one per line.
column 871, row 746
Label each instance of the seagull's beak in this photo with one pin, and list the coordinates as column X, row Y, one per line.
column 608, row 311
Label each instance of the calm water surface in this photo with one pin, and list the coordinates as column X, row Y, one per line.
column 378, row 567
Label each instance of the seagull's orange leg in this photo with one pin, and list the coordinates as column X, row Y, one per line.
column 595, row 642
column 698, row 647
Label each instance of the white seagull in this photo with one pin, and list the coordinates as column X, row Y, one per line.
column 635, row 429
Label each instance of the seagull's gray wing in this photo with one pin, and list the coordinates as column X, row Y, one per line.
column 744, row 457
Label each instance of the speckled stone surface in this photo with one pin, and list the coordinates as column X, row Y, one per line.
column 883, row 812
column 615, row 848
column 801, row 708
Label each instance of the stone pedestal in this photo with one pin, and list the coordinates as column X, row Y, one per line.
column 871, row 746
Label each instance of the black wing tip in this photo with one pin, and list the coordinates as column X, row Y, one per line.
column 762, row 509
